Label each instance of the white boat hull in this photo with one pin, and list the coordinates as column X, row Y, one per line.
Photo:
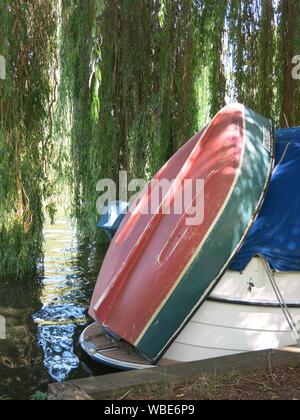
column 242, row 315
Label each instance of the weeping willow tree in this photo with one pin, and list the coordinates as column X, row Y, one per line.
column 136, row 78
column 288, row 47
column 244, row 30
column 216, row 12
column 137, row 75
column 130, row 70
column 27, row 41
column 266, row 60
column 259, row 38
column 75, row 95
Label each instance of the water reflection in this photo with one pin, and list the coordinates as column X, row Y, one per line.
column 43, row 347
column 62, row 297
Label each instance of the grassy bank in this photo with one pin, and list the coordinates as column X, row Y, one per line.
column 278, row 384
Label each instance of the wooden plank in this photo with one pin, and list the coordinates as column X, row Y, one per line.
column 104, row 387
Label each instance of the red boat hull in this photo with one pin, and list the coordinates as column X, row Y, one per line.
column 147, row 287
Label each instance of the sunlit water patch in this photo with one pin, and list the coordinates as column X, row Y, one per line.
column 44, row 347
column 62, row 294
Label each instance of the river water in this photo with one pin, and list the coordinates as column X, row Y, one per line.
column 45, row 316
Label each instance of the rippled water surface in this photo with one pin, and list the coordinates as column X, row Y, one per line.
column 45, row 316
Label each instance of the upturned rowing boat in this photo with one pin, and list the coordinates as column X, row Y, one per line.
column 160, row 269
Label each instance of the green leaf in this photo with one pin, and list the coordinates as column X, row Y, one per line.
column 39, row 396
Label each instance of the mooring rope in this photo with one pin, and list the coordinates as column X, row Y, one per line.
column 282, row 157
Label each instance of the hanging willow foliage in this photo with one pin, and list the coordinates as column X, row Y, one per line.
column 135, row 64
column 215, row 28
column 244, row 37
column 137, row 78
column 263, row 39
column 266, row 60
column 27, row 41
column 78, row 67
column 288, row 46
